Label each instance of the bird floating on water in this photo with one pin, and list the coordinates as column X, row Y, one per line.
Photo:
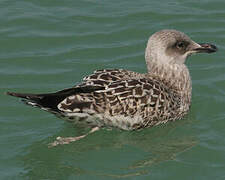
column 129, row 100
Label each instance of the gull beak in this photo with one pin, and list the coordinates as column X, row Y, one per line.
column 205, row 48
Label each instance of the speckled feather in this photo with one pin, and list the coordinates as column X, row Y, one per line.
column 129, row 100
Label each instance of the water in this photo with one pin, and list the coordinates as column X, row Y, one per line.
column 47, row 46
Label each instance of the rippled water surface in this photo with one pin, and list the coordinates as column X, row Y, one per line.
column 50, row 45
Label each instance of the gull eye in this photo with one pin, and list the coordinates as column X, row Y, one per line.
column 180, row 45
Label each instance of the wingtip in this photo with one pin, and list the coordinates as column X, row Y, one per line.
column 9, row 93
column 16, row 94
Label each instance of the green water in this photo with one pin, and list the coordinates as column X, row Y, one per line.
column 50, row 45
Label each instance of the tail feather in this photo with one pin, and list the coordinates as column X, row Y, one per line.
column 44, row 101
column 50, row 101
column 23, row 95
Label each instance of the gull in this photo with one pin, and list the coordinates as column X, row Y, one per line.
column 118, row 98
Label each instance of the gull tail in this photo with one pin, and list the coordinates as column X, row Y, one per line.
column 47, row 102
column 50, row 101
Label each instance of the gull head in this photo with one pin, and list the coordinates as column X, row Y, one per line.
column 173, row 47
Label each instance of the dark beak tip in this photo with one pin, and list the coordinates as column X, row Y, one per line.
column 214, row 47
column 208, row 48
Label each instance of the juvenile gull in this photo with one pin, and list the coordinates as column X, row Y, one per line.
column 130, row 100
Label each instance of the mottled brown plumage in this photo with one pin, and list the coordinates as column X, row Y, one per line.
column 130, row 100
